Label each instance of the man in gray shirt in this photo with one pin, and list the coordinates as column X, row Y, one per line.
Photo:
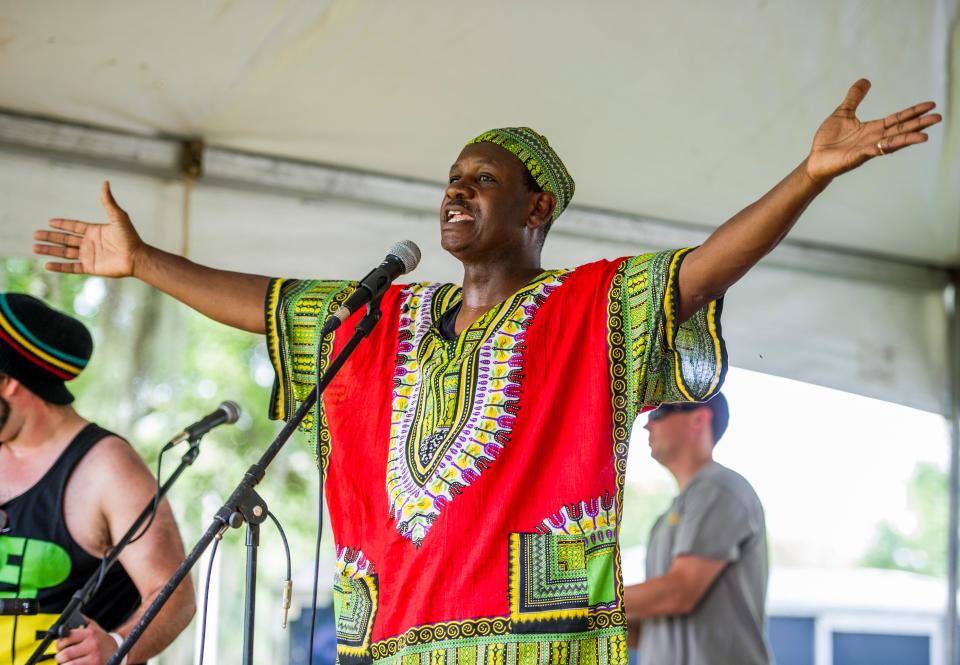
column 703, row 602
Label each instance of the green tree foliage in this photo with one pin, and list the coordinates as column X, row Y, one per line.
column 922, row 549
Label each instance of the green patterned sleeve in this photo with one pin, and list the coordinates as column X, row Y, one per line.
column 295, row 312
column 666, row 361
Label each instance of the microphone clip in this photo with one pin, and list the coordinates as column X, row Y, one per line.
column 372, row 317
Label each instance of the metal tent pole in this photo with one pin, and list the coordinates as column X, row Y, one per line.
column 953, row 547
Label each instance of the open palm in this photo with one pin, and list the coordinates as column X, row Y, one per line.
column 843, row 142
column 108, row 250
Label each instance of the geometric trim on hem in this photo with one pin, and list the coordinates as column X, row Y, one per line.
column 498, row 628
column 598, row 647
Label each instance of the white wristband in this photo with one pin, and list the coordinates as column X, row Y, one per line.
column 118, row 638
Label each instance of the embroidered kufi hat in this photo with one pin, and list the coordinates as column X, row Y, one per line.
column 538, row 157
column 41, row 347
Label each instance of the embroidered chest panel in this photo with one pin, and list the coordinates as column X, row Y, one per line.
column 454, row 403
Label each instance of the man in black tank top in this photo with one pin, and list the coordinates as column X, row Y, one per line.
column 68, row 491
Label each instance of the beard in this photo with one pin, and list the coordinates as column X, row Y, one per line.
column 4, row 415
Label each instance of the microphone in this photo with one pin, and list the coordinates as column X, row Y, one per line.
column 227, row 412
column 401, row 259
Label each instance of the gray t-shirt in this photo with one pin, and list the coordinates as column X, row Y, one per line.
column 717, row 516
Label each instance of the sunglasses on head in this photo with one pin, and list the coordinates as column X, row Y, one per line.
column 679, row 407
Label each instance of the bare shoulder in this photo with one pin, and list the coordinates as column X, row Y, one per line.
column 112, row 477
column 113, row 466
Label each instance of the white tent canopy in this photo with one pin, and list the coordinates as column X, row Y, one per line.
column 670, row 117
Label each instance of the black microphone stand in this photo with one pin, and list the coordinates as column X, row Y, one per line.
column 71, row 616
column 245, row 505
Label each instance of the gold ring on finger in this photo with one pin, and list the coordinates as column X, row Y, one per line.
column 880, row 148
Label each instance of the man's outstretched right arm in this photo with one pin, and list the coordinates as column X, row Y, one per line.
column 115, row 249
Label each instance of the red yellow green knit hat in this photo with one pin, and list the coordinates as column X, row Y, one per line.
column 41, row 347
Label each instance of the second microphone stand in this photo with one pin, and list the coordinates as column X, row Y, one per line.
column 245, row 505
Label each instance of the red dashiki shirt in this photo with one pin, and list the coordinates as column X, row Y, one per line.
column 475, row 485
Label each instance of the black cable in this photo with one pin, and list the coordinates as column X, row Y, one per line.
column 13, row 640
column 286, row 546
column 206, row 600
column 316, row 556
column 287, row 594
column 13, row 643
column 363, row 328
column 156, row 503
column 102, row 572
column 153, row 514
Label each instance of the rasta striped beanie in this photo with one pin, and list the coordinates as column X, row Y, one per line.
column 41, row 347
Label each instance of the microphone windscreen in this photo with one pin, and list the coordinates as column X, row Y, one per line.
column 232, row 410
column 408, row 253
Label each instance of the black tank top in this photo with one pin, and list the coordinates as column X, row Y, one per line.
column 40, row 559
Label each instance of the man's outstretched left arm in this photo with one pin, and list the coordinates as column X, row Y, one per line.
column 841, row 144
